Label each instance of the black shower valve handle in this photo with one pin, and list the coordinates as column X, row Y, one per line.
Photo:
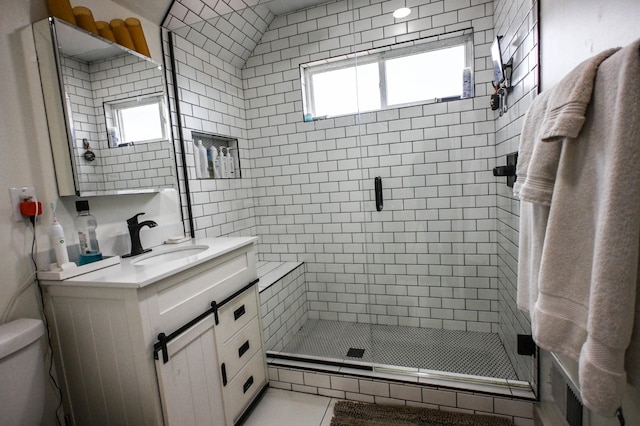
column 504, row 170
column 509, row 170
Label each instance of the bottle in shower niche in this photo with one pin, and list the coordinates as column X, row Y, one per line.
column 86, row 226
column 223, row 163
column 209, row 164
column 196, row 160
column 215, row 162
column 231, row 167
column 202, row 155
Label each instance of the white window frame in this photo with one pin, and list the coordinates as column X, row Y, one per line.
column 152, row 99
column 307, row 71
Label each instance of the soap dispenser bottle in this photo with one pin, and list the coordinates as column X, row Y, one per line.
column 86, row 226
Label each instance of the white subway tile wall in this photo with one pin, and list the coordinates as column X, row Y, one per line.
column 284, row 309
column 411, row 263
column 212, row 101
column 88, row 87
column 176, row 129
column 77, row 82
column 435, row 256
column 518, row 23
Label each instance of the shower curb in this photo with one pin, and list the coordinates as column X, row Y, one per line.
column 385, row 388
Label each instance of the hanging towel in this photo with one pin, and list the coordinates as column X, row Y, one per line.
column 553, row 115
column 533, row 217
column 565, row 115
column 588, row 264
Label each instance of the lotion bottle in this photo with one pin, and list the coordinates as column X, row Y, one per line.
column 210, row 163
column 196, row 160
column 223, row 163
column 215, row 161
column 204, row 172
column 230, row 164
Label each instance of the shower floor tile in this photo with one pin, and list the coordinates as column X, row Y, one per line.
column 462, row 352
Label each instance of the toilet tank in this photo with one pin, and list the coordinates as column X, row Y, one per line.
column 22, row 374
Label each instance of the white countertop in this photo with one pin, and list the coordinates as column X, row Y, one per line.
column 128, row 275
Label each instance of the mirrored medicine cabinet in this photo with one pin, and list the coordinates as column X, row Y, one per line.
column 107, row 113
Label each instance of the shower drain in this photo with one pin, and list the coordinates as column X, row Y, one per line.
column 355, row 353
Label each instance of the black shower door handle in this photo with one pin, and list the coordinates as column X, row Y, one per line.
column 378, row 189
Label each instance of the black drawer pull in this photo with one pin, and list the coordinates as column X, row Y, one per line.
column 239, row 312
column 223, row 370
column 243, row 349
column 247, row 384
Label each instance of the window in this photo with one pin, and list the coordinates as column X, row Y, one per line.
column 139, row 120
column 370, row 81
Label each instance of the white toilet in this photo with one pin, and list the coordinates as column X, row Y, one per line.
column 22, row 375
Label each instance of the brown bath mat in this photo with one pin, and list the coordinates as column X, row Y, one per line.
column 347, row 413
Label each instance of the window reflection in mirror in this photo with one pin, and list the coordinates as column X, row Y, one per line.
column 136, row 120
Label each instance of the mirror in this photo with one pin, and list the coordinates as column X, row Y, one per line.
column 106, row 111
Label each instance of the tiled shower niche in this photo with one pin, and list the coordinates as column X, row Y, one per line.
column 227, row 144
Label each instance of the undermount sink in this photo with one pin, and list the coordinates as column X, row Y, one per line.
column 164, row 256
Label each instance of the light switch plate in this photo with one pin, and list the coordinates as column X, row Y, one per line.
column 17, row 196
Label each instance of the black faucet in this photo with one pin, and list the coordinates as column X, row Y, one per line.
column 134, row 234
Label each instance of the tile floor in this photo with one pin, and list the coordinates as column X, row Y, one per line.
column 453, row 351
column 285, row 408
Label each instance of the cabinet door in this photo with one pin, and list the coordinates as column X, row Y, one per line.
column 189, row 382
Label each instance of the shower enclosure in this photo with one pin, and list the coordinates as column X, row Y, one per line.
column 407, row 239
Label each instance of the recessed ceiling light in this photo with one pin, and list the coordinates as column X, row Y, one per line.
column 401, row 13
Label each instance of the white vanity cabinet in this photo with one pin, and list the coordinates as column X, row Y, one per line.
column 210, row 364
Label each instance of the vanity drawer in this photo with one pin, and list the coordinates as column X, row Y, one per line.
column 240, row 391
column 175, row 301
column 235, row 314
column 239, row 350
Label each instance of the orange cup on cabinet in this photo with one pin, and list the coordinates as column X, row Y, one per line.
column 84, row 19
column 137, row 35
column 121, row 33
column 104, row 29
column 61, row 9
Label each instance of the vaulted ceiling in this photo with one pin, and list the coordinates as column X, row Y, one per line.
column 229, row 29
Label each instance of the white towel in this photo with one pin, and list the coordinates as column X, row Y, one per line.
column 589, row 260
column 564, row 117
column 533, row 217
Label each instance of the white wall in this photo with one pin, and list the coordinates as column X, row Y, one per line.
column 516, row 22
column 573, row 30
column 26, row 157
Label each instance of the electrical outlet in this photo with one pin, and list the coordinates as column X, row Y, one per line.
column 17, row 196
